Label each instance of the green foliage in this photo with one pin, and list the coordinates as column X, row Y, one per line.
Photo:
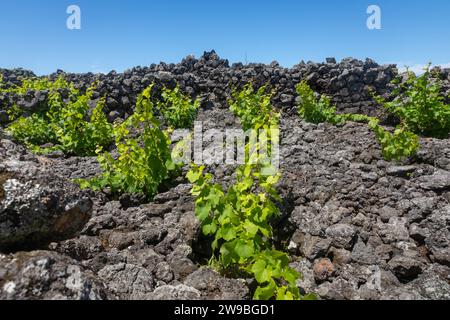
column 14, row 112
column 144, row 160
column 42, row 84
column 400, row 144
column 65, row 123
column 313, row 110
column 361, row 118
column 239, row 221
column 253, row 107
column 319, row 110
column 32, row 131
column 396, row 146
column 420, row 106
column 34, row 84
column 74, row 133
column 177, row 108
column 239, row 218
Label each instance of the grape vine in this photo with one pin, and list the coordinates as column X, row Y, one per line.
column 395, row 146
column 239, row 218
column 144, row 160
column 63, row 123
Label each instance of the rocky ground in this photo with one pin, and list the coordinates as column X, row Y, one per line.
column 364, row 228
column 356, row 226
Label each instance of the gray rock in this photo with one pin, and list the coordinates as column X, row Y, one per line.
column 38, row 207
column 364, row 254
column 405, row 268
column 311, row 247
column 386, row 213
column 401, row 171
column 43, row 275
column 81, row 248
column 164, row 272
column 165, row 77
column 342, row 235
column 395, row 230
column 341, row 256
column 441, row 255
column 432, row 285
column 180, row 262
column 417, row 233
column 128, row 281
column 179, row 292
column 340, row 289
column 332, row 175
column 440, row 180
column 214, row 286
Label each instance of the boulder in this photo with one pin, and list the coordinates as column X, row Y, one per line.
column 438, row 181
column 37, row 206
column 44, row 275
column 341, row 235
column 405, row 268
column 213, row 286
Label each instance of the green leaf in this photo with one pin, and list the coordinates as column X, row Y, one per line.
column 228, row 233
column 261, row 271
column 209, row 229
column 170, row 165
column 266, row 292
column 228, row 253
column 250, row 227
column 214, row 197
column 244, row 249
column 291, row 276
column 202, row 211
column 193, row 175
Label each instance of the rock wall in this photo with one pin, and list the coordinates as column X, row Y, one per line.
column 212, row 78
column 15, row 76
column 347, row 83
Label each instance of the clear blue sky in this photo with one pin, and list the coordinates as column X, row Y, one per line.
column 121, row 34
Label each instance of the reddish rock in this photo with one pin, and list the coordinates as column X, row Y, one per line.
column 323, row 270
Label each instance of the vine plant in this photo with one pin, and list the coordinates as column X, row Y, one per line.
column 68, row 124
column 144, row 160
column 395, row 146
column 420, row 106
column 178, row 110
column 239, row 218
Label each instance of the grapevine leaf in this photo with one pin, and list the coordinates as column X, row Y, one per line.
column 244, row 249
column 266, row 292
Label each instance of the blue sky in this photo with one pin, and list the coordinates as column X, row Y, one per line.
column 122, row 34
